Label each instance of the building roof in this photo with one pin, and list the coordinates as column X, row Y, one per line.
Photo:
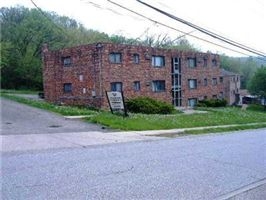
column 228, row 73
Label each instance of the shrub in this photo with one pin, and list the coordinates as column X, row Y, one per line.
column 256, row 107
column 212, row 103
column 148, row 105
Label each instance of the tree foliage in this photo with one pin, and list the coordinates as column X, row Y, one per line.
column 246, row 67
column 24, row 31
column 257, row 84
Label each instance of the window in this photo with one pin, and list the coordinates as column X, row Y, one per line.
column 158, row 86
column 115, row 57
column 214, row 81
column 192, row 83
column 67, row 61
column 158, row 61
column 214, row 96
column 214, row 62
column 221, row 95
column 221, row 79
column 192, row 62
column 67, row 87
column 136, row 58
column 116, row 86
column 192, row 102
column 205, row 62
column 205, row 82
column 136, row 86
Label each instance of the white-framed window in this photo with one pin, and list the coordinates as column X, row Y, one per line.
column 115, row 57
column 158, row 61
column 67, row 87
column 192, row 83
column 221, row 79
column 158, row 86
column 192, row 102
column 67, row 61
column 136, row 86
column 116, row 86
column 192, row 62
column 136, row 58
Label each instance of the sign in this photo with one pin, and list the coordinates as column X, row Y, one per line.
column 116, row 102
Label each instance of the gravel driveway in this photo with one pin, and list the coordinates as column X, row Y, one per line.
column 22, row 119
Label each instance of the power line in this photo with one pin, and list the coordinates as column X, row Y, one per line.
column 207, row 32
column 175, row 29
column 45, row 15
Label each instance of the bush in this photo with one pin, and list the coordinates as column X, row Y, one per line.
column 212, row 103
column 256, row 107
column 148, row 105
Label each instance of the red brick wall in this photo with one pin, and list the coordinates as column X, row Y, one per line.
column 98, row 74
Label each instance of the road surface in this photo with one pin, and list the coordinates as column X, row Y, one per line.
column 215, row 166
column 63, row 165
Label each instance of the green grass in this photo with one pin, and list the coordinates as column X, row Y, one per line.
column 225, row 129
column 257, row 107
column 18, row 91
column 214, row 117
column 63, row 110
column 138, row 122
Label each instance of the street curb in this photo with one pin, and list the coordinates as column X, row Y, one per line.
column 176, row 131
column 247, row 188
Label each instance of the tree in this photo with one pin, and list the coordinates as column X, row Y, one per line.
column 257, row 85
column 24, row 31
column 245, row 66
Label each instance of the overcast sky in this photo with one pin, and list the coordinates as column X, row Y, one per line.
column 243, row 21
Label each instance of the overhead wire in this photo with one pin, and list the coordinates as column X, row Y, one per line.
column 45, row 15
column 205, row 31
column 175, row 29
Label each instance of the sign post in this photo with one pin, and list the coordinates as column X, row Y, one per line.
column 116, row 102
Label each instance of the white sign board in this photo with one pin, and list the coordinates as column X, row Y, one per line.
column 116, row 100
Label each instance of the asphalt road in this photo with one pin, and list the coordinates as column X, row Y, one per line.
column 22, row 119
column 218, row 166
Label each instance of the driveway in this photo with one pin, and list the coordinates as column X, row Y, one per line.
column 25, row 128
column 18, row 119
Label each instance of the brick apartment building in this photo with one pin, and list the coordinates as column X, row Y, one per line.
column 81, row 75
column 231, row 87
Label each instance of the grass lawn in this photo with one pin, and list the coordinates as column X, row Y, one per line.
column 138, row 122
column 213, row 117
column 63, row 110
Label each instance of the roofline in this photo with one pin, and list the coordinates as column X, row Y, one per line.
column 121, row 44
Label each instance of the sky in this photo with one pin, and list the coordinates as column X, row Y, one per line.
column 243, row 21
